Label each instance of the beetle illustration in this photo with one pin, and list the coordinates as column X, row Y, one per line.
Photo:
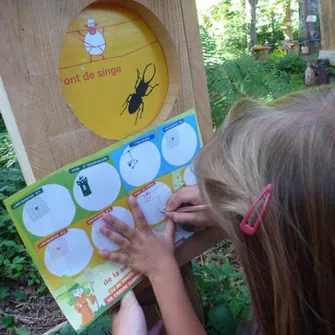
column 134, row 102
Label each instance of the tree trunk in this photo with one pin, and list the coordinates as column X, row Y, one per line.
column 250, row 6
column 302, row 21
column 327, row 24
column 287, row 21
column 309, row 31
column 317, row 73
column 273, row 28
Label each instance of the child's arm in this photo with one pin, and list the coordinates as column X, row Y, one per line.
column 176, row 309
column 153, row 254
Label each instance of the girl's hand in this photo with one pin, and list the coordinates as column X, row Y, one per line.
column 130, row 320
column 189, row 194
column 141, row 249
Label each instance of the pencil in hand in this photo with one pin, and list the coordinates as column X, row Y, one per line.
column 188, row 209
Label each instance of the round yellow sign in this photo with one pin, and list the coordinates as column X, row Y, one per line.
column 113, row 71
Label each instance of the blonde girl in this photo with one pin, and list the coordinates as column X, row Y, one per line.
column 268, row 180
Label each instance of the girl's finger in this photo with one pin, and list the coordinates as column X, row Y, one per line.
column 193, row 218
column 141, row 221
column 121, row 241
column 117, row 257
column 169, row 231
column 129, row 300
column 183, row 195
column 119, row 225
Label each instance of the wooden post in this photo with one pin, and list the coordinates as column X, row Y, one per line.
column 46, row 132
column 327, row 24
column 327, row 29
column 309, row 31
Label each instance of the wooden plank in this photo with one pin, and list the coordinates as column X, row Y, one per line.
column 327, row 24
column 19, row 86
column 6, row 111
column 29, row 66
column 196, row 61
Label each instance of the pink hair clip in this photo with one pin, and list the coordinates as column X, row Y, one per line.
column 244, row 226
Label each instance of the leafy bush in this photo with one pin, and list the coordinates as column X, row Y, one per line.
column 224, row 295
column 14, row 261
column 226, row 22
column 290, row 63
column 231, row 79
column 100, row 326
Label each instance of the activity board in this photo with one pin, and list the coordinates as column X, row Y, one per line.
column 81, row 75
column 58, row 217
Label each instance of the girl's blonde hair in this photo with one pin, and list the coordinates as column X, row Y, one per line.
column 289, row 263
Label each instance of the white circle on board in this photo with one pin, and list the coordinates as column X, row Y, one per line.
column 49, row 211
column 97, row 187
column 103, row 242
column 153, row 202
column 140, row 164
column 189, row 176
column 69, row 253
column 179, row 144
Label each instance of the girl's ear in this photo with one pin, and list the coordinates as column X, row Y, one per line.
column 239, row 110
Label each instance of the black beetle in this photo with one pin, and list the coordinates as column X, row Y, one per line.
column 134, row 102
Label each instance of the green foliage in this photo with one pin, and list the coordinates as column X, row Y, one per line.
column 8, row 321
column 100, row 326
column 20, row 295
column 290, row 63
column 271, row 17
column 7, row 153
column 4, row 292
column 226, row 22
column 231, row 79
column 15, row 263
column 224, row 295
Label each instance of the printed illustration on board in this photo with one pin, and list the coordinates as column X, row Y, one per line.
column 113, row 70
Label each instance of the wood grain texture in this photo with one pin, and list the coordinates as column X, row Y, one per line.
column 6, row 111
column 327, row 24
column 196, row 61
column 32, row 35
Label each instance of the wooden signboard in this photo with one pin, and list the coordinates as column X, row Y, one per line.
column 80, row 75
